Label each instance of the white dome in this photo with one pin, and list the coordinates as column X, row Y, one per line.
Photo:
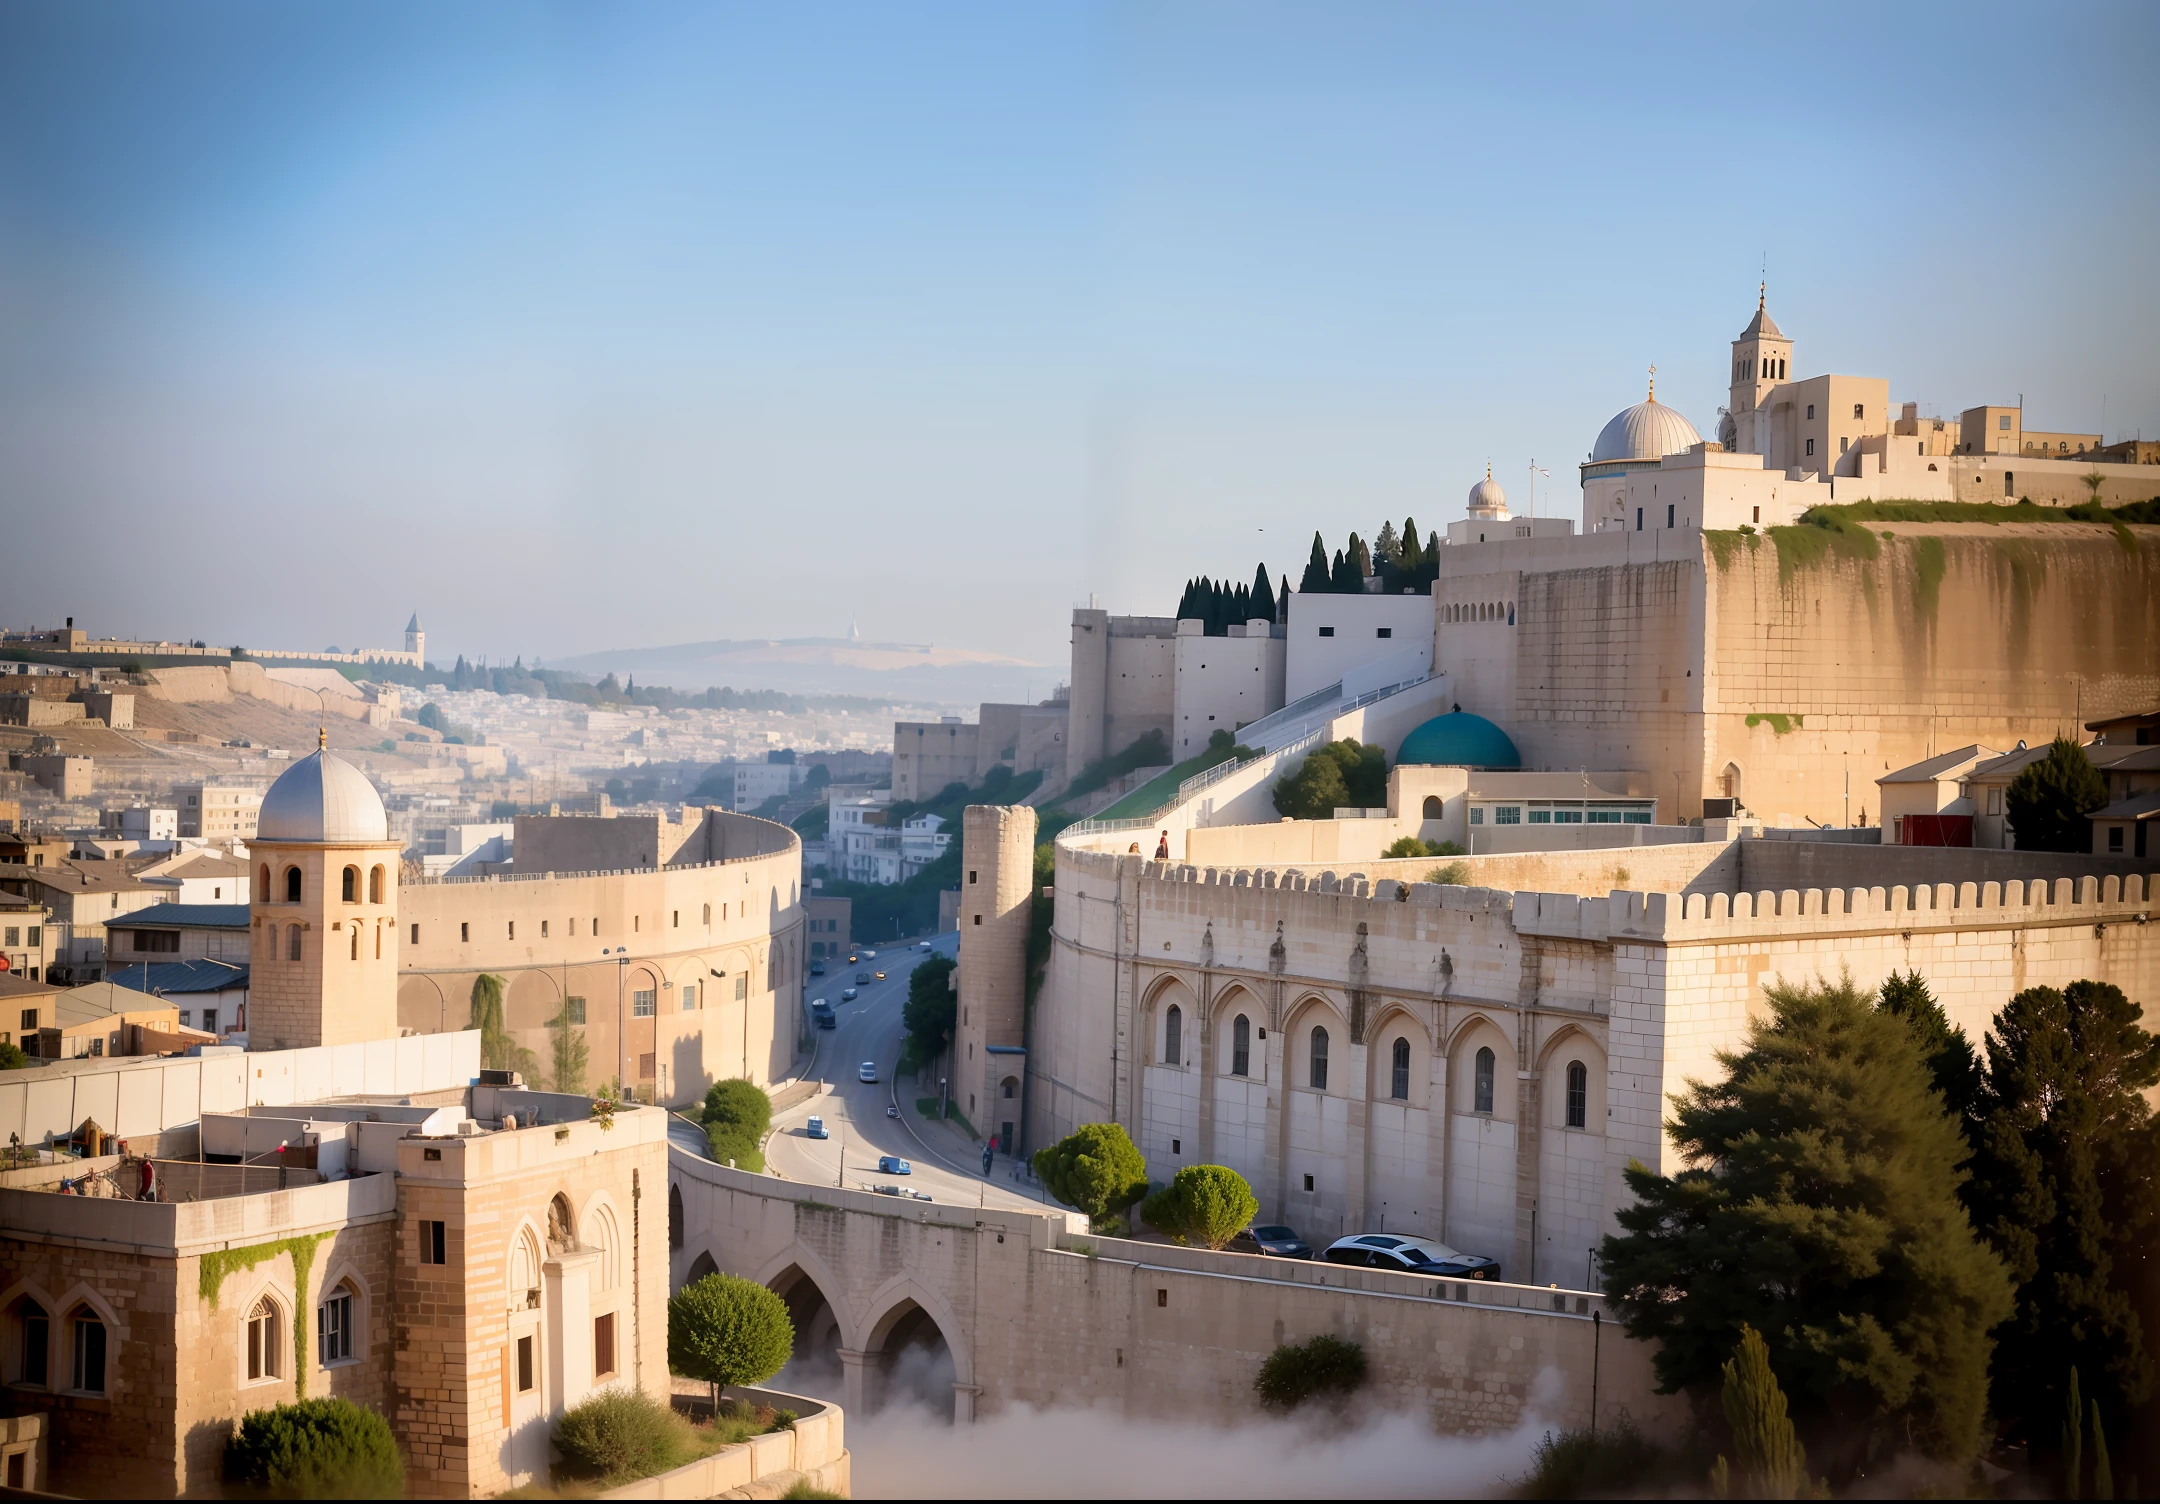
column 1487, row 500
column 1647, row 431
column 323, row 798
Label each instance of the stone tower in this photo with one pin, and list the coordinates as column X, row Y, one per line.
column 323, row 934
column 997, row 877
column 416, row 641
column 1759, row 360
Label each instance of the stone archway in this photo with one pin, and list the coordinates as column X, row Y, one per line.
column 815, row 1368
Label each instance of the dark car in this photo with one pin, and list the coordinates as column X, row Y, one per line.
column 817, row 968
column 1276, row 1241
column 861, row 977
column 1379, row 1250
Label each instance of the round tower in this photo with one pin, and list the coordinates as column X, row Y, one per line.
column 323, row 938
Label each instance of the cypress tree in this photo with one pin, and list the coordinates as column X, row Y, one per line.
column 2062, row 1187
column 2103, row 1475
column 1345, row 575
column 1361, row 557
column 1282, row 605
column 2073, row 1438
column 1263, row 594
column 1952, row 1062
column 1241, row 609
column 1184, row 603
column 1317, row 579
column 2047, row 803
column 1820, row 1207
column 1412, row 557
column 1773, row 1464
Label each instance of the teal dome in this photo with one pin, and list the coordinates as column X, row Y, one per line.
column 1459, row 740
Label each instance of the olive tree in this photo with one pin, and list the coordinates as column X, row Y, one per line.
column 1204, row 1204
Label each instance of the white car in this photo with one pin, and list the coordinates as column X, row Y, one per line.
column 866, row 955
column 868, row 1072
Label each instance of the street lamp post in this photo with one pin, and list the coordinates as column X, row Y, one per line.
column 622, row 1022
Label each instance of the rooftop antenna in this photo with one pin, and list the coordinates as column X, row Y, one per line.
column 1535, row 472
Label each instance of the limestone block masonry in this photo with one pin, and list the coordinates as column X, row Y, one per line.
column 996, row 888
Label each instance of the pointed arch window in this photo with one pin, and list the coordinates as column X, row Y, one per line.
column 1578, row 1094
column 262, row 1341
column 1482, row 1088
column 1318, row 1073
column 1399, row 1071
column 1241, row 1046
column 89, row 1351
column 31, row 1362
column 334, row 1324
column 1173, row 1035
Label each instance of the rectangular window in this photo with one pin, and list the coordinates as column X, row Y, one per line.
column 14, row 936
column 525, row 1365
column 1668, row 514
column 1604, row 817
column 35, row 936
column 1859, row 409
column 29, row 1018
column 1810, row 446
column 464, row 931
column 209, row 1020
column 513, row 930
column 89, row 1355
column 416, row 934
column 1541, row 817
column 2115, row 840
column 1477, row 817
column 2003, row 422
column 1843, row 444
column 1327, row 631
column 158, row 942
column 1567, row 817
column 1638, row 519
column 1384, row 632
column 603, row 1345
column 1637, row 817
column 434, row 1243
column 689, row 997
column 543, row 929
column 333, row 1343
column 742, row 982
column 1507, row 815
column 1994, row 802
column 187, row 1018
column 644, row 1002
column 1758, row 514
column 574, row 1010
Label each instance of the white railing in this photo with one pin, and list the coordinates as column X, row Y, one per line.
column 1255, row 735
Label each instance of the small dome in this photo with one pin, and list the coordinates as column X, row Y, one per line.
column 1487, row 501
column 323, row 798
column 1647, row 431
column 1458, row 740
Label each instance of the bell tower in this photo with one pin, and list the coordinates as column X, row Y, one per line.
column 1760, row 357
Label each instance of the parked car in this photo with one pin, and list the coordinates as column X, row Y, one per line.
column 815, row 1128
column 868, row 1072
column 1376, row 1250
column 1274, row 1240
column 893, row 1164
column 880, row 975
column 817, row 968
column 848, row 994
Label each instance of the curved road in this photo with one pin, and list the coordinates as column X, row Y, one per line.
column 871, row 1029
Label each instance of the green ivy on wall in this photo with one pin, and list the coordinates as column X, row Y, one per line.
column 1777, row 721
column 216, row 1265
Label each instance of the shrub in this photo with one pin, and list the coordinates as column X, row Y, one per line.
column 12, row 1059
column 1204, row 1204
column 1615, row 1461
column 316, row 1449
column 1453, row 874
column 1412, row 846
column 803, row 1488
column 1094, row 1169
column 623, row 1434
column 1297, row 1371
column 726, row 1330
column 729, row 1143
column 737, row 1115
column 1337, row 775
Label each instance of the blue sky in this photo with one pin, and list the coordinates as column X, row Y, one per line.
column 581, row 326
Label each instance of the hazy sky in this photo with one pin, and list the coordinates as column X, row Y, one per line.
column 588, row 326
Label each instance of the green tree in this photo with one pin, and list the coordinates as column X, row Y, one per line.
column 1316, row 580
column 1263, row 594
column 1386, row 545
column 737, row 1115
column 11, row 1058
column 2048, row 802
column 1338, row 774
column 2063, row 1187
column 1820, row 1208
column 1773, row 1464
column 932, row 1007
column 1952, row 1063
column 498, row 1051
column 430, row 716
column 1412, row 846
column 315, row 1449
column 1343, row 575
column 1204, row 1204
column 572, row 1055
column 1094, row 1169
column 726, row 1330
column 1410, row 557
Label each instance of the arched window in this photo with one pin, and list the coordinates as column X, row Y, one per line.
column 262, row 883
column 1432, row 806
column 375, row 884
column 1319, row 1060
column 1007, row 1088
column 601, row 1227
column 292, row 942
column 1241, row 1046
column 30, row 1363
column 1173, row 1032
column 524, row 1291
column 334, row 1324
column 349, row 885
column 708, row 916
column 1484, row 1085
column 1399, row 1072
column 1578, row 1094
column 292, row 884
column 88, row 1332
column 561, row 1226
column 356, row 942
column 674, row 1216
column 262, row 1341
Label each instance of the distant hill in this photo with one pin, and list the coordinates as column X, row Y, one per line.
column 826, row 665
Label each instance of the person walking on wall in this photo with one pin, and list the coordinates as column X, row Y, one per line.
column 1162, row 848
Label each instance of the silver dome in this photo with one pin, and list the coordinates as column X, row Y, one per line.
column 1487, row 500
column 323, row 798
column 1647, row 431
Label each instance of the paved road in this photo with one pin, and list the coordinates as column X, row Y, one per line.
column 870, row 1028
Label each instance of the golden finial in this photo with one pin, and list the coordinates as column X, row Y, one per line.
column 1653, row 383
column 322, row 738
column 1762, row 293
column 1488, row 469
